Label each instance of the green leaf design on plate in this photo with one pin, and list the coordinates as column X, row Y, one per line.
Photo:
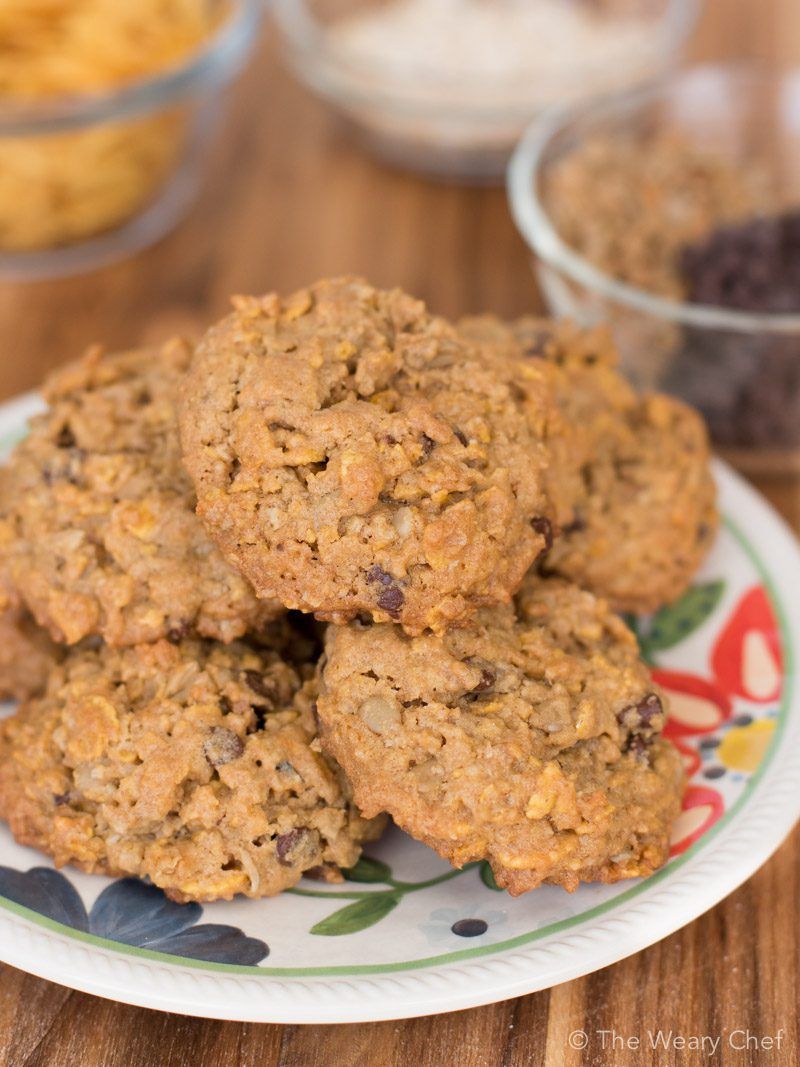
column 487, row 877
column 368, row 870
column 672, row 624
column 357, row 916
column 630, row 621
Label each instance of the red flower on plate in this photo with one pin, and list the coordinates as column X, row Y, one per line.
column 696, row 706
column 690, row 757
column 702, row 807
column 747, row 659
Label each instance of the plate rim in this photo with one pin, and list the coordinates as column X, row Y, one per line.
column 149, row 979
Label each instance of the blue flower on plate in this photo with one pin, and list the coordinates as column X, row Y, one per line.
column 134, row 913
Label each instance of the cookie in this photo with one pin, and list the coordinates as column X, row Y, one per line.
column 194, row 764
column 352, row 454
column 98, row 534
column 530, row 739
column 636, row 474
column 27, row 655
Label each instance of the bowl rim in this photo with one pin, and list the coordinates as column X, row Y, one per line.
column 533, row 221
column 318, row 67
column 204, row 70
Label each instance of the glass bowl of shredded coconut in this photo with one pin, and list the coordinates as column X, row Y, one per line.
column 106, row 107
column 447, row 86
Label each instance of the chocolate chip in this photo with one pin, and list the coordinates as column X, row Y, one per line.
column 428, row 445
column 376, row 573
column 544, row 528
column 638, row 745
column 225, row 705
column 289, row 844
column 649, row 708
column 747, row 385
column 60, row 799
column 177, row 633
column 65, row 438
column 750, row 266
column 488, row 679
column 390, row 598
column 222, row 746
column 638, row 720
column 261, row 685
column 470, row 927
column 462, row 437
column 639, row 717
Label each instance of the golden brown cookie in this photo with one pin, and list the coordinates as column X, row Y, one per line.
column 98, row 534
column 352, row 454
column 635, row 471
column 193, row 764
column 530, row 739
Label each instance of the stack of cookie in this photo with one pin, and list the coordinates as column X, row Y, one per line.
column 465, row 506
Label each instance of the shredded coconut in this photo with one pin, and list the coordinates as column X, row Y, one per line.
column 515, row 55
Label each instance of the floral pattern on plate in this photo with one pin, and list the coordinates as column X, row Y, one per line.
column 744, row 658
column 722, row 653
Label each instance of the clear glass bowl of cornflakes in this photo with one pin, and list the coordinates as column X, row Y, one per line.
column 106, row 111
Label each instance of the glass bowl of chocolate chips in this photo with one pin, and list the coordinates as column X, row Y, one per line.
column 673, row 213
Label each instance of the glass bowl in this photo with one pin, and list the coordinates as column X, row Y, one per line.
column 89, row 178
column 425, row 94
column 741, row 369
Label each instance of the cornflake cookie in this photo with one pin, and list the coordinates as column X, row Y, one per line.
column 193, row 764
column 27, row 655
column 636, row 473
column 98, row 534
column 530, row 740
column 352, row 454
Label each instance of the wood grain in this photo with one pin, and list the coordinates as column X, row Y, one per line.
column 290, row 199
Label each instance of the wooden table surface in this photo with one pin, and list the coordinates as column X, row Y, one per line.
column 291, row 199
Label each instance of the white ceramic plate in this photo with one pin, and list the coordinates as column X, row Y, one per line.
column 409, row 936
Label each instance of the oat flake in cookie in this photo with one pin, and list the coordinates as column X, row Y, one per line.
column 353, row 455
column 531, row 739
column 98, row 534
column 636, row 472
column 193, row 764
